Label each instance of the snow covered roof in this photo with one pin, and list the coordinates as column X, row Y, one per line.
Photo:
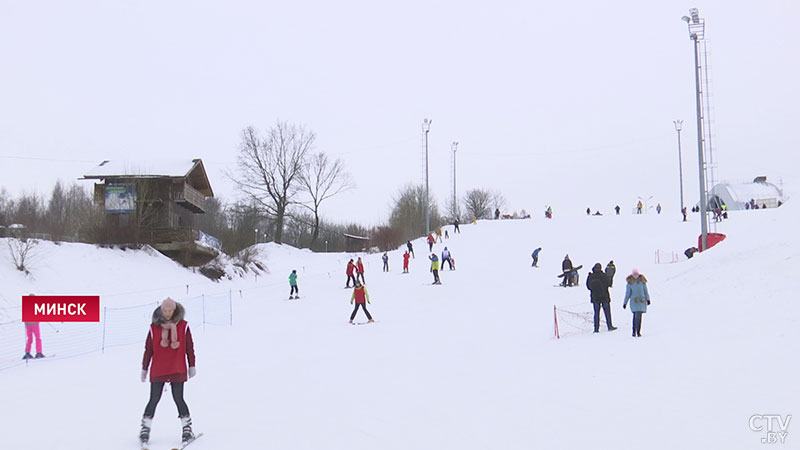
column 743, row 192
column 180, row 168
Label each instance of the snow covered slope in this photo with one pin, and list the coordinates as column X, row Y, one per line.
column 470, row 364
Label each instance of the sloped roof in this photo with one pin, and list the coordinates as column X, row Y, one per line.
column 192, row 169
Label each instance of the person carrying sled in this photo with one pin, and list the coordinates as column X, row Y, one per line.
column 361, row 298
column 293, row 284
column 435, row 268
column 350, row 269
column 167, row 363
column 535, row 256
column 636, row 293
column 597, row 283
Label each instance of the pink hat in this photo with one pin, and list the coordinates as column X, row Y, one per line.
column 635, row 271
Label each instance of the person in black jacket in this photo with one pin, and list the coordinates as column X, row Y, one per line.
column 566, row 268
column 597, row 283
column 611, row 269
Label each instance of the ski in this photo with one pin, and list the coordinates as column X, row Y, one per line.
column 187, row 443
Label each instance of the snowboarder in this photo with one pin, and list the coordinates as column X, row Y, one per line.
column 636, row 292
column 350, row 269
column 435, row 268
column 566, row 268
column 611, row 269
column 410, row 248
column 431, row 240
column 597, row 283
column 406, row 257
column 293, row 284
column 385, row 259
column 168, row 366
column 535, row 256
column 361, row 298
column 446, row 257
column 360, row 271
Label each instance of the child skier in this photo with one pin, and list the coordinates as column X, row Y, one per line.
column 350, row 269
column 435, row 268
column 406, row 257
column 361, row 298
column 360, row 271
column 168, row 366
column 293, row 284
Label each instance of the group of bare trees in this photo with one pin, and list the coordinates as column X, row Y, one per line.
column 280, row 175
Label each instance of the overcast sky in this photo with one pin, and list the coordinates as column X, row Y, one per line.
column 547, row 100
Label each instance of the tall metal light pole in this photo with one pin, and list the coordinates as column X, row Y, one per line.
column 454, row 146
column 678, row 126
column 256, row 233
column 426, row 127
column 696, row 33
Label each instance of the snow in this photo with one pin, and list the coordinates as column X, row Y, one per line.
column 470, row 364
column 155, row 167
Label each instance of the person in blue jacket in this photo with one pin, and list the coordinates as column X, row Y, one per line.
column 636, row 292
column 535, row 256
column 293, row 284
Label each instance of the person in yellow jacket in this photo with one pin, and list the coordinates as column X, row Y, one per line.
column 435, row 268
column 361, row 298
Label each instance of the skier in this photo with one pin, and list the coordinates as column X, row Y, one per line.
column 535, row 256
column 293, row 284
column 616, row 208
column 350, row 268
column 446, row 257
column 361, row 297
column 636, row 292
column 588, row 211
column 406, row 257
column 597, row 283
column 32, row 331
column 446, row 234
column 611, row 269
column 683, row 211
column 410, row 248
column 385, row 259
column 360, row 271
column 438, row 232
column 455, row 227
column 566, row 269
column 431, row 240
column 435, row 268
column 168, row 366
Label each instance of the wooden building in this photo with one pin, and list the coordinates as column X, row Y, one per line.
column 156, row 203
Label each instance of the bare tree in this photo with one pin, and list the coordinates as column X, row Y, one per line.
column 477, row 203
column 270, row 168
column 22, row 252
column 321, row 179
column 408, row 212
column 498, row 200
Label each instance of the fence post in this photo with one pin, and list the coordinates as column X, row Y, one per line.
column 555, row 321
column 103, row 345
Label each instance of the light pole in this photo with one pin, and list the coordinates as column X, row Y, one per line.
column 455, row 196
column 426, row 127
column 696, row 33
column 678, row 126
column 256, row 233
column 326, row 246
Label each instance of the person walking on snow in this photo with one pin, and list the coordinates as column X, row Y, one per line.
column 535, row 256
column 636, row 292
column 410, row 248
column 431, row 240
column 361, row 298
column 435, row 268
column 168, row 364
column 293, row 284
column 658, row 208
column 385, row 258
column 406, row 257
column 350, row 269
column 597, row 283
column 360, row 271
column 446, row 257
column 639, row 207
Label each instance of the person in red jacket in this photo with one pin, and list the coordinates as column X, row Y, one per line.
column 167, row 364
column 361, row 297
column 360, row 271
column 431, row 240
column 406, row 257
column 350, row 268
